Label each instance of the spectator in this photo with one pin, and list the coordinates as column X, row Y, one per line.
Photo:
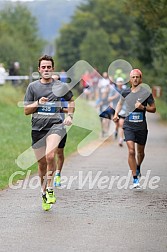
column 14, row 71
column 3, row 74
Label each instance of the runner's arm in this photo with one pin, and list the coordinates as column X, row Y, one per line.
column 31, row 108
column 117, row 110
column 151, row 108
column 71, row 109
column 111, row 98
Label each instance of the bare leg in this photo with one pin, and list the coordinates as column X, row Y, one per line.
column 140, row 153
column 42, row 166
column 105, row 125
column 116, row 129
column 131, row 157
column 116, row 126
column 60, row 159
column 51, row 149
column 121, row 132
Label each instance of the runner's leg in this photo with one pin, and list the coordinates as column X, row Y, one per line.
column 140, row 153
column 52, row 142
column 60, row 159
column 131, row 157
column 42, row 166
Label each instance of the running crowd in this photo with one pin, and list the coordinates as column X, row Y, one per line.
column 50, row 102
column 106, row 91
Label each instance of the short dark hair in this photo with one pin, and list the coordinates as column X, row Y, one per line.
column 45, row 57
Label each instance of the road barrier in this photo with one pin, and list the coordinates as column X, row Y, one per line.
column 24, row 77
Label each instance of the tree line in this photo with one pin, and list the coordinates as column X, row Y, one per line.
column 102, row 31
column 19, row 40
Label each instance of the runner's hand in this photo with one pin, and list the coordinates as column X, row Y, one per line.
column 67, row 121
column 138, row 105
column 115, row 118
column 42, row 100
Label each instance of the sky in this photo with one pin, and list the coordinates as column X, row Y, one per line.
column 52, row 20
column 21, row 0
column 18, row 0
column 27, row 0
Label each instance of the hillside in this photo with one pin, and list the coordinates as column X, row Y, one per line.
column 50, row 14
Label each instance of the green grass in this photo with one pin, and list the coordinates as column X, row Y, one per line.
column 15, row 133
column 162, row 109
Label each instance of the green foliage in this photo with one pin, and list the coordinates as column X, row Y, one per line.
column 67, row 49
column 102, row 31
column 151, row 17
column 98, row 32
column 162, row 109
column 67, row 46
column 92, row 51
column 19, row 39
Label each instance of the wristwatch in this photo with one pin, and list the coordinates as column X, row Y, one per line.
column 71, row 115
column 144, row 108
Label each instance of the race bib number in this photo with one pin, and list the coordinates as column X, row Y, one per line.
column 136, row 117
column 47, row 109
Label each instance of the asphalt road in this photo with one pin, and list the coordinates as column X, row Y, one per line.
column 95, row 210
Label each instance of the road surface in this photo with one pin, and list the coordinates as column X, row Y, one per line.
column 96, row 210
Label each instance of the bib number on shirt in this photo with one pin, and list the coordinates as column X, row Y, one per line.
column 47, row 109
column 136, row 117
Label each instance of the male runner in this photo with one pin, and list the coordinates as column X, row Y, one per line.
column 138, row 100
column 43, row 101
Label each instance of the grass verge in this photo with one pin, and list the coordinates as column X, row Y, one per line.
column 16, row 129
column 162, row 109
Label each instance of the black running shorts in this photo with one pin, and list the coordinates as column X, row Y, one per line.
column 139, row 136
column 108, row 113
column 39, row 137
column 63, row 142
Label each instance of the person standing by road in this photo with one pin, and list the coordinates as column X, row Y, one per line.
column 14, row 70
column 138, row 100
column 43, row 101
column 3, row 74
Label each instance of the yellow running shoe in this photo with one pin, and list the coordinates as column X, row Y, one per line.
column 50, row 195
column 45, row 205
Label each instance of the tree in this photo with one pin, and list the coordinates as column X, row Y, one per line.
column 71, row 36
column 95, row 49
column 19, row 39
column 151, row 18
column 96, row 15
column 132, row 30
